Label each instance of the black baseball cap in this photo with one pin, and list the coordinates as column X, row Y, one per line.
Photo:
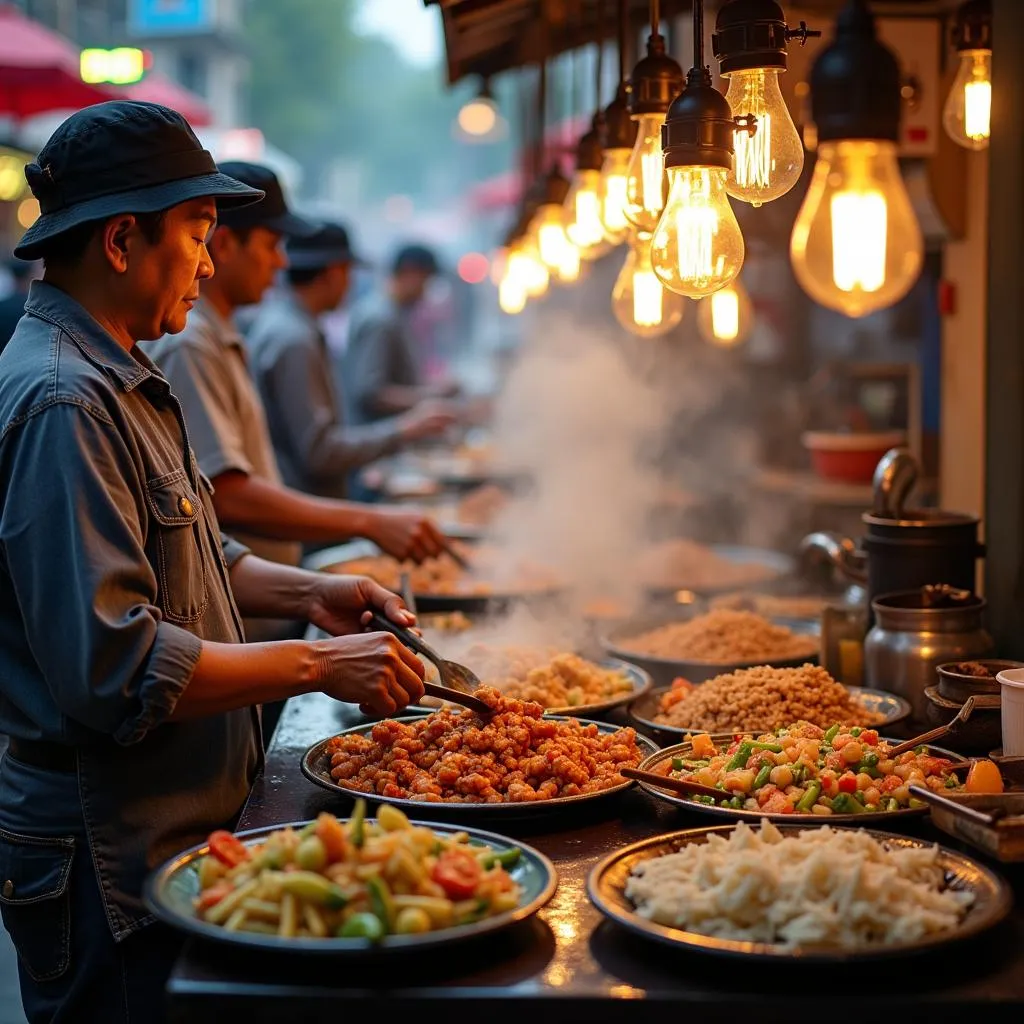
column 328, row 244
column 121, row 156
column 271, row 211
column 415, row 257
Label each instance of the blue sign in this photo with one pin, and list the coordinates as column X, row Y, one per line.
column 169, row 17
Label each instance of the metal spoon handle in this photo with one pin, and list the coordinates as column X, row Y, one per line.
column 683, row 786
column 410, row 639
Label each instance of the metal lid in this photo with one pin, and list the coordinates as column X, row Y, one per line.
column 921, row 518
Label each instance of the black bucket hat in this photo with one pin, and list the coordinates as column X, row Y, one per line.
column 271, row 211
column 121, row 157
column 415, row 257
column 327, row 245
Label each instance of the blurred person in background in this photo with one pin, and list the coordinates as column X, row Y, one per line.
column 291, row 365
column 208, row 369
column 381, row 368
column 12, row 308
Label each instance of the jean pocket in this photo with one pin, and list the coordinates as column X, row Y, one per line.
column 35, row 900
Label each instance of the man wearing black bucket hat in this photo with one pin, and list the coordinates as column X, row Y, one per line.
column 208, row 369
column 315, row 449
column 130, row 701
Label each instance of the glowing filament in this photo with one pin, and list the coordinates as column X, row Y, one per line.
column 859, row 224
column 652, row 168
column 615, row 203
column 977, row 109
column 725, row 314
column 647, row 299
column 754, row 163
column 587, row 229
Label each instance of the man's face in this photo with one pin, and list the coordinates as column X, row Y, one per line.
column 249, row 266
column 339, row 276
column 161, row 277
column 412, row 285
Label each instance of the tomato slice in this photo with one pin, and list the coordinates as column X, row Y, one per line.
column 848, row 783
column 228, row 849
column 870, row 737
column 457, row 873
column 212, row 896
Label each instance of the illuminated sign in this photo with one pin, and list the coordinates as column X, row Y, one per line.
column 168, row 17
column 121, row 66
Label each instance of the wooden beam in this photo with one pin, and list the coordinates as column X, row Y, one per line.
column 1004, row 389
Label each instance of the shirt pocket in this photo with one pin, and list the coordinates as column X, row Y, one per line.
column 181, row 568
column 35, row 900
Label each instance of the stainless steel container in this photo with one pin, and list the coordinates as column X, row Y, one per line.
column 915, row 631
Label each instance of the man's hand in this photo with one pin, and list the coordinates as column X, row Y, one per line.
column 342, row 604
column 405, row 535
column 373, row 670
column 429, row 419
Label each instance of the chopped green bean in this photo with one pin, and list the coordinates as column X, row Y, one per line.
column 739, row 759
column 832, row 732
column 762, row 776
column 811, row 794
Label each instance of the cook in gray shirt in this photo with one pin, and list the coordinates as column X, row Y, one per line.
column 316, row 451
column 128, row 697
column 380, row 369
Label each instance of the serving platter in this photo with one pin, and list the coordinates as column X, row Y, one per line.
column 316, row 767
column 641, row 683
column 644, row 710
column 771, row 566
column 607, row 881
column 169, row 893
column 660, row 763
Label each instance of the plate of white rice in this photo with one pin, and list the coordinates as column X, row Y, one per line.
column 811, row 893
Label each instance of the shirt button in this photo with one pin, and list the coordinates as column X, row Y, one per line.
column 186, row 506
column 8, row 889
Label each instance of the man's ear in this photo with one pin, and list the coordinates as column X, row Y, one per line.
column 115, row 239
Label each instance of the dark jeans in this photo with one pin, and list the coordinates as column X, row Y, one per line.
column 69, row 966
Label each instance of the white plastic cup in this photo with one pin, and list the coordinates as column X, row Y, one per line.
column 1011, row 689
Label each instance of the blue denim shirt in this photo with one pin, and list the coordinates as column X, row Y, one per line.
column 112, row 571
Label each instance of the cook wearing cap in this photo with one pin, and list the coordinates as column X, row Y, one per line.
column 209, row 371
column 316, row 449
column 128, row 697
column 381, row 368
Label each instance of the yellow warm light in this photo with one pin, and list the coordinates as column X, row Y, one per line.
column 511, row 295
column 698, row 246
column 614, row 195
column 967, row 115
column 725, row 314
column 478, row 117
column 856, row 245
column 726, row 318
column 640, row 301
column 121, row 66
column 645, row 175
column 28, row 212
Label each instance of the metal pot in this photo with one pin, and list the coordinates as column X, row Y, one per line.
column 957, row 685
column 915, row 631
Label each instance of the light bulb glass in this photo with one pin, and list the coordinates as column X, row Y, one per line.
column 698, row 246
column 614, row 195
column 583, row 215
column 726, row 317
column 511, row 295
column 551, row 238
column 526, row 268
column 769, row 161
column 968, row 111
column 856, row 245
column 645, row 175
column 640, row 302
column 478, row 117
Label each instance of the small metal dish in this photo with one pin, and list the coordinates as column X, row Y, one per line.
column 957, row 685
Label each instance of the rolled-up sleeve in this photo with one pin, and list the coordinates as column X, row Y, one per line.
column 74, row 545
column 305, row 410
column 202, row 383
column 233, row 550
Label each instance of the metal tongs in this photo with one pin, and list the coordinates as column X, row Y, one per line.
column 459, row 681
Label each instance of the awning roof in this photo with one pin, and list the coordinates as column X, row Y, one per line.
column 486, row 37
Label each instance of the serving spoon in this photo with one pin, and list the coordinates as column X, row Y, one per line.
column 459, row 681
column 684, row 786
column 973, row 703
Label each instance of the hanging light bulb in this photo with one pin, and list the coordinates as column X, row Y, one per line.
column 640, row 302
column 968, row 111
column 856, row 245
column 726, row 317
column 750, row 43
column 478, row 118
column 654, row 84
column 557, row 252
column 620, row 132
column 697, row 246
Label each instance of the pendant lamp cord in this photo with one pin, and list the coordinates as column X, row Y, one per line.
column 655, row 17
column 698, row 34
column 601, row 33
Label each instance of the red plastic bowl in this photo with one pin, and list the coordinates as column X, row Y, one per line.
column 849, row 457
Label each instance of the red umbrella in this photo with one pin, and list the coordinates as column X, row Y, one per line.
column 156, row 88
column 39, row 70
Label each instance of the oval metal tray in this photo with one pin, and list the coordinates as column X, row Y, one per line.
column 655, row 761
column 606, row 888
column 170, row 890
column 316, row 768
column 644, row 710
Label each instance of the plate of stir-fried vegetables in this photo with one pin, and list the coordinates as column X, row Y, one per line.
column 359, row 885
column 839, row 774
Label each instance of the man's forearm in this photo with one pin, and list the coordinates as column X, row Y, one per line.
column 393, row 399
column 268, row 590
column 257, row 506
column 230, row 676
